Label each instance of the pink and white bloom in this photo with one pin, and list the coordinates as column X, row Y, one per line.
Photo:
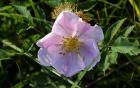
column 71, row 45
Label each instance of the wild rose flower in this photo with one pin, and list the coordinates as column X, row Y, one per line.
column 71, row 45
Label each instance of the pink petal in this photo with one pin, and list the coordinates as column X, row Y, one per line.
column 49, row 39
column 65, row 23
column 75, row 64
column 81, row 27
column 67, row 64
column 90, row 52
column 43, row 58
column 95, row 61
column 95, row 32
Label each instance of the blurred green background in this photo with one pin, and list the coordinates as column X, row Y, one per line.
column 23, row 22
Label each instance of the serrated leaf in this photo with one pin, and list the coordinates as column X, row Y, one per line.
column 123, row 45
column 113, row 29
column 117, row 27
column 110, row 59
column 128, row 30
column 136, row 43
column 135, row 51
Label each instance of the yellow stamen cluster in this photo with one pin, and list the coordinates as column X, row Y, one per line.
column 71, row 44
column 66, row 6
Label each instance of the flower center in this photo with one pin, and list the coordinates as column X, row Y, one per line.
column 71, row 44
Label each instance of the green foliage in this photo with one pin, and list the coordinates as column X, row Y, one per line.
column 111, row 58
column 23, row 22
column 23, row 10
column 136, row 7
column 53, row 3
column 113, row 29
column 124, row 46
column 7, row 43
column 6, row 54
column 128, row 31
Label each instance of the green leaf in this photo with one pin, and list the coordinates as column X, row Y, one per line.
column 135, row 6
column 53, row 3
column 23, row 10
column 5, row 8
column 128, row 30
column 41, row 13
column 113, row 29
column 20, row 84
column 123, row 45
column 8, row 43
column 117, row 27
column 6, row 54
column 34, row 8
column 62, row 86
column 110, row 59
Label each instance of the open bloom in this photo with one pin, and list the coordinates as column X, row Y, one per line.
column 71, row 45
